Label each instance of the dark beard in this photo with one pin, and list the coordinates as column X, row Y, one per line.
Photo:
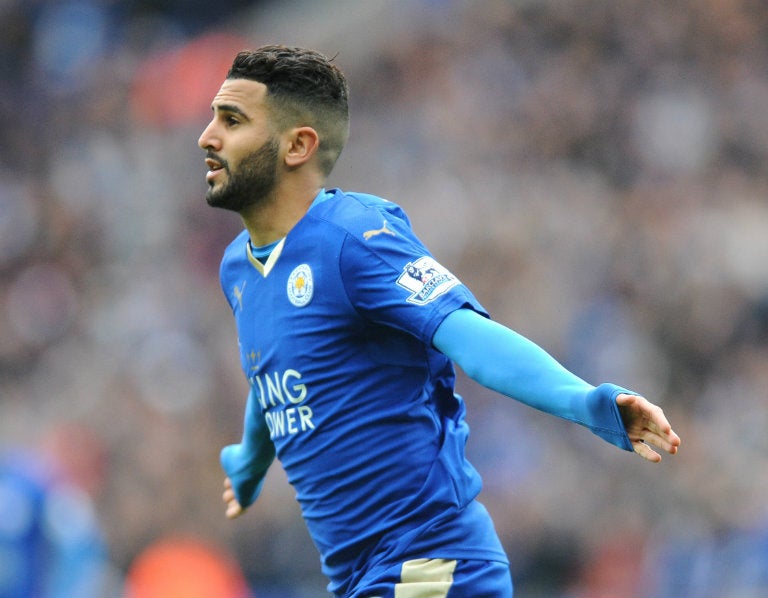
column 251, row 184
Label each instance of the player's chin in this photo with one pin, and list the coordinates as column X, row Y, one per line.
column 214, row 197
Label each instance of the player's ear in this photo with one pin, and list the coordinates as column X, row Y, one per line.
column 303, row 143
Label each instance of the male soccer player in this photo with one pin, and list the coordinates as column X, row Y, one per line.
column 348, row 328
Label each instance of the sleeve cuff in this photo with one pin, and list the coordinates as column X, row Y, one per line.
column 246, row 483
column 604, row 416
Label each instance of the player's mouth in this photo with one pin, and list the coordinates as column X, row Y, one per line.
column 215, row 167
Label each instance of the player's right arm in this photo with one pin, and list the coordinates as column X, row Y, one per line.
column 246, row 463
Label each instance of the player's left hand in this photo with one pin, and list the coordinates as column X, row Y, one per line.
column 234, row 509
column 647, row 425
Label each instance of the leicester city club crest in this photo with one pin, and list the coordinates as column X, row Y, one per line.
column 300, row 285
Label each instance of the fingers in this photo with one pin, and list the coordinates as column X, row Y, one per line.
column 234, row 510
column 645, row 451
column 646, row 424
column 233, row 507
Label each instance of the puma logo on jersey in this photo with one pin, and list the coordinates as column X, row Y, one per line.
column 379, row 231
column 238, row 291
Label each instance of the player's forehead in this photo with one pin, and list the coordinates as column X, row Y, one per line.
column 244, row 94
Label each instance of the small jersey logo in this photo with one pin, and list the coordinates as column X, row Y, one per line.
column 300, row 285
column 384, row 230
column 253, row 361
column 426, row 280
column 238, row 291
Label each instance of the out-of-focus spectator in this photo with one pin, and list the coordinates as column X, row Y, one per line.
column 177, row 567
column 51, row 543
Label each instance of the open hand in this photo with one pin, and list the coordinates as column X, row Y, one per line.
column 647, row 425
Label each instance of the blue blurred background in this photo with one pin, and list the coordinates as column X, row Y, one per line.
column 595, row 170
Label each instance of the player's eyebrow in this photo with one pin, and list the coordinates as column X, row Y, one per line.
column 231, row 108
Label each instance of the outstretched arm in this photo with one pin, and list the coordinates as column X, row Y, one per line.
column 510, row 364
column 247, row 463
column 647, row 425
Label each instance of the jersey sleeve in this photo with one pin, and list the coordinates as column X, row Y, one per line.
column 392, row 279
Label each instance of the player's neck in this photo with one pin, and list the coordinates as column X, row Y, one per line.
column 273, row 219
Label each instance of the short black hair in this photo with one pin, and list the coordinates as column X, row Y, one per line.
column 304, row 87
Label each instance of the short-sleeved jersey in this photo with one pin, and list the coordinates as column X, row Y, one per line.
column 335, row 335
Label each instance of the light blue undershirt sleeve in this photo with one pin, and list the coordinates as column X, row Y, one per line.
column 247, row 463
column 504, row 361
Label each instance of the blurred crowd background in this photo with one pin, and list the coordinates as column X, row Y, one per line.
column 595, row 170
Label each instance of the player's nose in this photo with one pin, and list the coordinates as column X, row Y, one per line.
column 208, row 138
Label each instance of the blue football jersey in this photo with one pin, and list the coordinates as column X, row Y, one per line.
column 335, row 332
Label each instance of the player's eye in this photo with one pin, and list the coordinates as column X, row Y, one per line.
column 232, row 121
